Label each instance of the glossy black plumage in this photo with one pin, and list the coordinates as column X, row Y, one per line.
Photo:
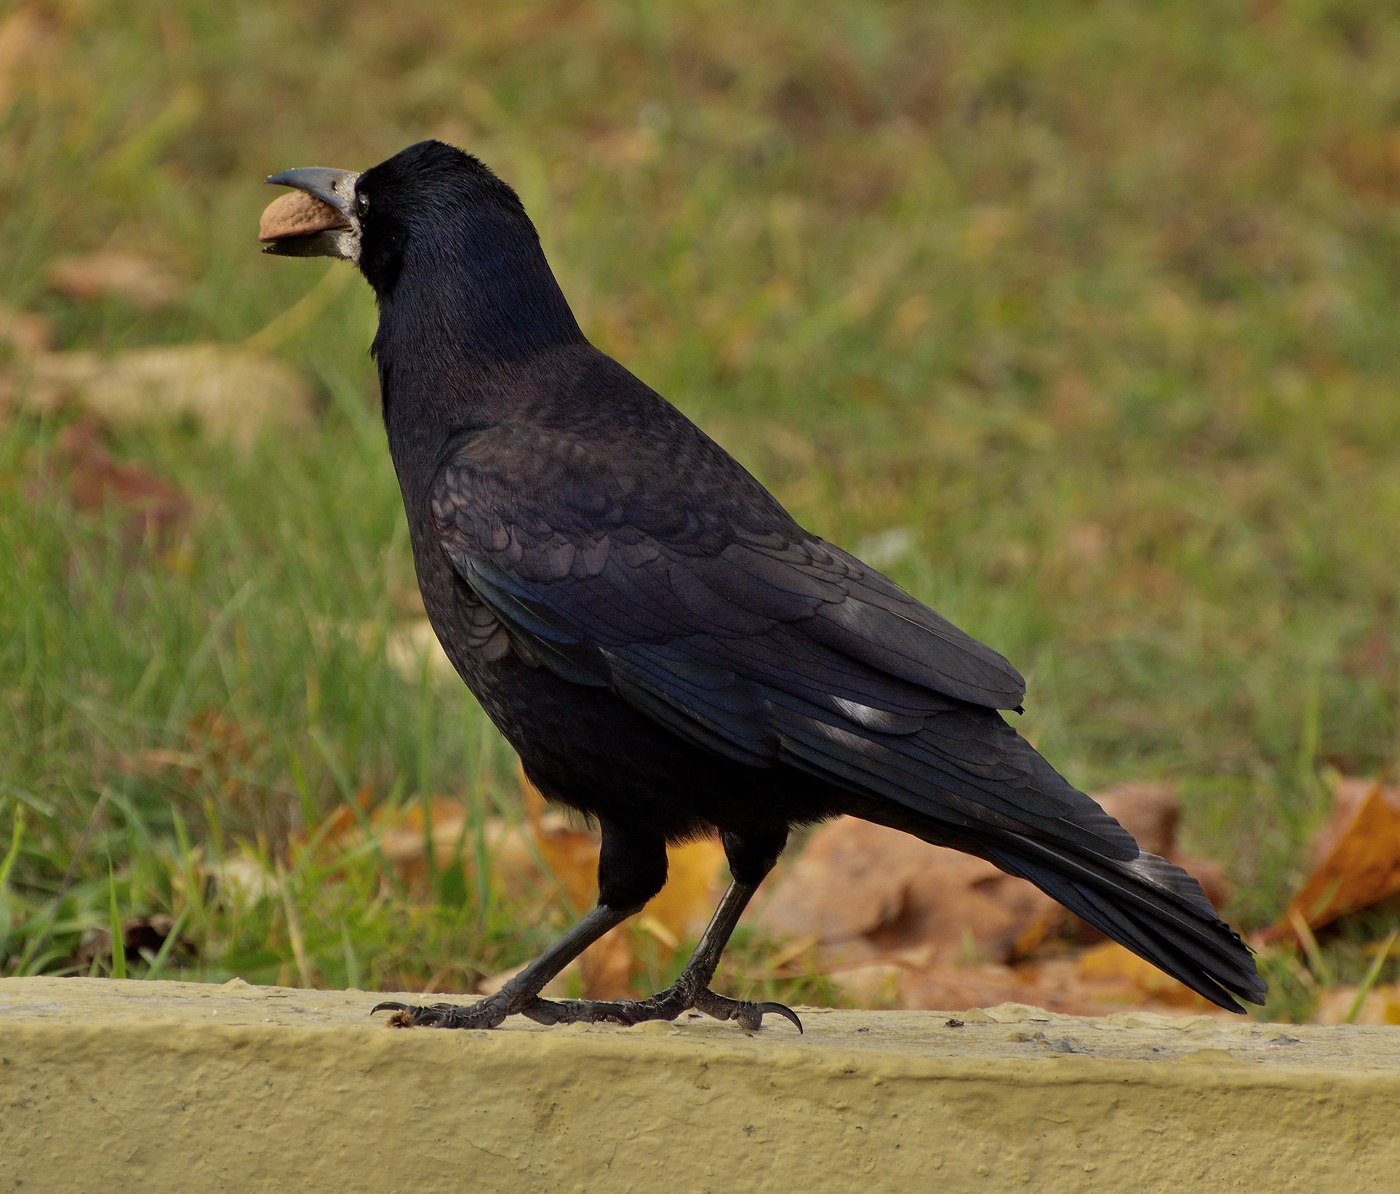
column 664, row 646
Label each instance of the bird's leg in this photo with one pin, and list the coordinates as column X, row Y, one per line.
column 521, row 991
column 631, row 869
column 690, row 991
column 750, row 859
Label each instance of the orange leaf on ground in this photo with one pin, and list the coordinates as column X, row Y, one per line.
column 569, row 851
column 231, row 393
column 23, row 333
column 1052, row 986
column 692, row 889
column 150, row 507
column 1347, row 1005
column 872, row 891
column 1358, row 857
column 605, row 968
column 140, row 281
column 1110, row 963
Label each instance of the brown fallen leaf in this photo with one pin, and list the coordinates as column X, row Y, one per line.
column 231, row 393
column 412, row 647
column 1109, row 963
column 23, row 333
column 569, row 850
column 139, row 281
column 873, row 891
column 28, row 39
column 694, row 878
column 959, row 988
column 1358, row 858
column 152, row 509
column 1347, row 1005
column 142, row 937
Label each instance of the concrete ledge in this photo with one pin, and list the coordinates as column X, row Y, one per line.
column 177, row 1086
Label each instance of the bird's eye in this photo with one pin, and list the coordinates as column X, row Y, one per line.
column 361, row 203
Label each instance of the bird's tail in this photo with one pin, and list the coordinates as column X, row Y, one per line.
column 1149, row 905
column 1009, row 806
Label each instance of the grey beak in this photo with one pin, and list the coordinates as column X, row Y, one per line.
column 333, row 238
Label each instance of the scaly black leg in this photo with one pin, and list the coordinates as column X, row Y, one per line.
column 690, row 991
column 520, row 992
column 631, row 869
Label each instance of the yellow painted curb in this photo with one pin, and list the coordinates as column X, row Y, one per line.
column 178, row 1086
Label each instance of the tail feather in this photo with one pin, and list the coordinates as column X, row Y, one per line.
column 966, row 779
column 1149, row 906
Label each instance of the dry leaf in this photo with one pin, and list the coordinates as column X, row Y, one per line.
column 24, row 333
column 230, row 393
column 140, row 281
column 142, row 937
column 1110, row 963
column 962, row 988
column 1380, row 1005
column 682, row 908
column 97, row 481
column 569, row 851
column 26, row 37
column 874, row 891
column 1358, row 857
column 412, row 647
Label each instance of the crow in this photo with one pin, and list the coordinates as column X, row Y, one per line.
column 667, row 650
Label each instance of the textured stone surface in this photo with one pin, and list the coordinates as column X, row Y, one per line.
column 174, row 1086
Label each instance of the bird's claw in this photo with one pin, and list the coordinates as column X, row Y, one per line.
column 485, row 1013
column 743, row 1012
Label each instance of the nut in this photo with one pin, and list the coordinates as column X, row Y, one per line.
column 297, row 214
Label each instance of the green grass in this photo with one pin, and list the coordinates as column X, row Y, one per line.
column 1093, row 303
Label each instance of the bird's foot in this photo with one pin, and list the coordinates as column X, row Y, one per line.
column 665, row 1005
column 485, row 1013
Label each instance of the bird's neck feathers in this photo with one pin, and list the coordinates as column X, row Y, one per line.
column 462, row 313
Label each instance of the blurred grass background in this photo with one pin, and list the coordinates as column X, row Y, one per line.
column 1077, row 318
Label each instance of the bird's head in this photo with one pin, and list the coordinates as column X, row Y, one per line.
column 430, row 201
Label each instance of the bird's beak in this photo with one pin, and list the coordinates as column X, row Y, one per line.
column 323, row 225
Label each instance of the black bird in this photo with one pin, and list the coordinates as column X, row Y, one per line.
column 667, row 649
